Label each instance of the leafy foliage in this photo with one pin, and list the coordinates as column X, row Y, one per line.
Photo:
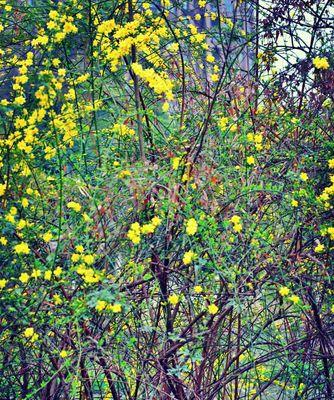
column 166, row 194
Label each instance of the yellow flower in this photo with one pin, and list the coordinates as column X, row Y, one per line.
column 57, row 300
column 191, row 227
column 235, row 219
column 10, row 218
column 188, row 257
column 19, row 100
column 24, row 277
column 2, row 189
column 284, row 291
column 321, row 63
column 330, row 163
column 210, row 58
column 175, row 162
column 116, row 308
column 258, row 138
column 61, row 71
column 147, row 228
column 133, row 237
column 69, row 27
column 75, row 257
column 295, row 299
column 173, row 299
column 28, row 332
column 165, row 106
column 223, row 122
column 303, row 176
column 156, row 221
column 22, row 248
column 90, row 276
column 212, row 309
column 214, row 77
column 237, row 228
column 330, row 231
column 36, row 273
column 3, row 240
column 89, row 259
column 250, row 136
column 47, row 237
column 47, row 275
column 21, row 224
column 100, row 305
column 250, row 160
column 294, row 203
column 198, row 289
column 124, row 173
column 319, row 248
column 57, row 272
column 79, row 249
column 53, row 14
column 51, row 25
column 74, row 206
column 2, row 283
column 63, row 354
column 25, row 202
column 134, row 233
column 332, row 309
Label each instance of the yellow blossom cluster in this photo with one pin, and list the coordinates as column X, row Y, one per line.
column 250, row 160
column 257, row 139
column 135, row 231
column 330, row 232
column 223, row 123
column 321, row 62
column 319, row 248
column 26, row 133
column 58, row 27
column 188, row 257
column 30, row 334
column 237, row 224
column 144, row 35
column 102, row 305
column 22, row 248
column 66, row 123
column 212, row 309
column 84, row 269
column 3, row 283
column 191, row 226
column 284, row 292
column 175, row 162
column 173, row 299
column 123, row 130
column 89, row 275
column 73, row 205
column 36, row 273
column 328, row 191
column 197, row 37
column 2, row 189
column 159, row 82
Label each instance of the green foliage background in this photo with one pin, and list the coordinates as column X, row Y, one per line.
column 166, row 196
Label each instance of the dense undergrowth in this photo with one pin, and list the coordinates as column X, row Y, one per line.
column 166, row 196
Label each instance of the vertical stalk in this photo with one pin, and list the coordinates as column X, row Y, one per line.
column 92, row 81
column 137, row 94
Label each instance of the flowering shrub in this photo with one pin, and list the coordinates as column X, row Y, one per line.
column 166, row 190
